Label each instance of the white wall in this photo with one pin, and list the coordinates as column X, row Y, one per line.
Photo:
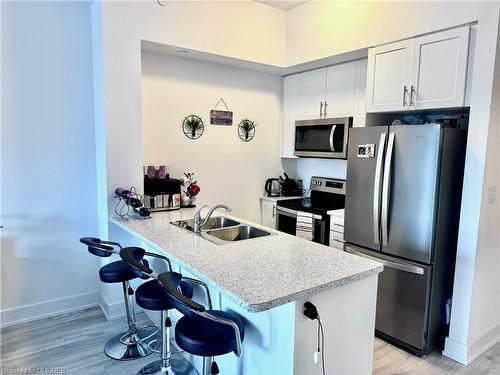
column 485, row 312
column 228, row 170
column 365, row 24
column 342, row 26
column 48, row 176
column 308, row 167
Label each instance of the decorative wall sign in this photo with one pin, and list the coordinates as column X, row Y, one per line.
column 193, row 126
column 218, row 117
column 246, row 130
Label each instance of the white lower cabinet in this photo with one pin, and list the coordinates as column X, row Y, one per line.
column 337, row 229
column 268, row 213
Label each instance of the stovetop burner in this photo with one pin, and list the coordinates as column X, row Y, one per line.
column 326, row 195
column 305, row 204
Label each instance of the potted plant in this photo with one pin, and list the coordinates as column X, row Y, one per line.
column 248, row 127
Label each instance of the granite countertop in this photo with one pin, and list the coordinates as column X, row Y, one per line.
column 257, row 274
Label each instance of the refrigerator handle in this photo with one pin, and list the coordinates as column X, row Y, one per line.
column 376, row 189
column 385, row 189
column 388, row 263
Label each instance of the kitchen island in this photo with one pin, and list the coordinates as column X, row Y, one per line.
column 267, row 280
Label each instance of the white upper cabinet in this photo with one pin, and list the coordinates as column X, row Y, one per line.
column 292, row 111
column 421, row 73
column 340, row 98
column 388, row 77
column 359, row 119
column 313, row 94
column 439, row 69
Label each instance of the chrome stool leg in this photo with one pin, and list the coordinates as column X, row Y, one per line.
column 210, row 366
column 169, row 363
column 133, row 343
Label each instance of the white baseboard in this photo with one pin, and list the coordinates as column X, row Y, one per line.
column 455, row 350
column 27, row 313
column 466, row 354
column 482, row 344
column 115, row 310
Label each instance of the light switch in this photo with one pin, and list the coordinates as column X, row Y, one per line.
column 492, row 194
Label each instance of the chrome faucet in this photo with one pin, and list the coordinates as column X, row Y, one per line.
column 199, row 223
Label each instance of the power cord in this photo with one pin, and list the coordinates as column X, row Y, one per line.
column 311, row 312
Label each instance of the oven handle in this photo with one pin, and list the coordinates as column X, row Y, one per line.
column 292, row 213
column 332, row 131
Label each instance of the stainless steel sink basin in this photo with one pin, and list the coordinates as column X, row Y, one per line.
column 242, row 232
column 212, row 223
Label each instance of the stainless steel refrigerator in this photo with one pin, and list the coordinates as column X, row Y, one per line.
column 404, row 186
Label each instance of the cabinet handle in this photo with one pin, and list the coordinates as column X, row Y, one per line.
column 324, row 113
column 321, row 109
column 405, row 91
column 274, row 211
column 412, row 90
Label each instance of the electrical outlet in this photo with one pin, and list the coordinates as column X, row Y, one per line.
column 492, row 194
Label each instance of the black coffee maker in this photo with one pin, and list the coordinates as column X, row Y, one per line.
column 162, row 194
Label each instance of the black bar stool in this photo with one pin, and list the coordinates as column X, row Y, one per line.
column 151, row 296
column 133, row 343
column 206, row 333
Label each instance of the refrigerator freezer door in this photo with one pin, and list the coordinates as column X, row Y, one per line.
column 402, row 299
column 409, row 198
column 364, row 186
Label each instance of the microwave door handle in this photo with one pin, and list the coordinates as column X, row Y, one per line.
column 386, row 188
column 376, row 189
column 332, row 132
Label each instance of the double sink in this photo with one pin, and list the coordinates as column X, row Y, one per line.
column 222, row 230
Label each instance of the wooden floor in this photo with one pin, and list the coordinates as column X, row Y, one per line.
column 74, row 342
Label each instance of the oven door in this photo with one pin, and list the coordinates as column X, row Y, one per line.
column 286, row 221
column 323, row 138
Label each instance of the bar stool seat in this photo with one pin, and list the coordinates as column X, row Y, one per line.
column 117, row 272
column 151, row 295
column 134, row 343
column 200, row 336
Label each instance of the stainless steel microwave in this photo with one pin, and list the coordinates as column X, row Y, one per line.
column 322, row 138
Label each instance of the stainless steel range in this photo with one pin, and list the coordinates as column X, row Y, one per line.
column 326, row 194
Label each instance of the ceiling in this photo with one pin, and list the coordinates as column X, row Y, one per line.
column 285, row 5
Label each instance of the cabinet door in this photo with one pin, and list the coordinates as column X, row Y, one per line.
column 313, row 93
column 360, row 101
column 439, row 69
column 389, row 71
column 292, row 86
column 268, row 213
column 340, row 90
